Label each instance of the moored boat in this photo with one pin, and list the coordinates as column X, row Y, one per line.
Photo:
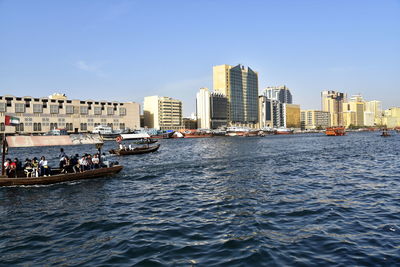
column 240, row 131
column 283, row 131
column 335, row 131
column 195, row 134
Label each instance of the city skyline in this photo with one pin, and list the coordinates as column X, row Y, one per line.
column 124, row 51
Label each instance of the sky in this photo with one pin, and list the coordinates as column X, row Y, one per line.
column 125, row 50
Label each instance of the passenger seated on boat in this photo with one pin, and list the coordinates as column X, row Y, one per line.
column 121, row 146
column 18, row 164
column 104, row 163
column 89, row 162
column 44, row 167
column 96, row 161
column 130, row 147
column 13, row 168
column 82, row 163
column 74, row 164
column 28, row 169
column 7, row 166
column 10, row 168
column 66, row 167
column 62, row 157
column 35, row 167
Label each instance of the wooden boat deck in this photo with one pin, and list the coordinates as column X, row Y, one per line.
column 58, row 178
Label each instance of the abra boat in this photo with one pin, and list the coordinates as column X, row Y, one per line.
column 335, row 131
column 240, row 131
column 135, row 151
column 107, row 133
column 56, row 176
column 195, row 134
column 283, row 131
column 385, row 133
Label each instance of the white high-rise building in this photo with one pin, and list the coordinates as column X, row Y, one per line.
column 372, row 113
column 203, row 108
column 279, row 93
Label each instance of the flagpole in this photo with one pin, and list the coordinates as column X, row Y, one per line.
column 3, row 156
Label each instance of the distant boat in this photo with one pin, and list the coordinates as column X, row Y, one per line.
column 107, row 132
column 385, row 133
column 335, row 131
column 135, row 151
column 284, row 131
column 123, row 150
column 56, row 132
column 195, row 134
column 240, row 131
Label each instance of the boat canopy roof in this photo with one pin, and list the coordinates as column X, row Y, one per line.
column 62, row 140
column 134, row 136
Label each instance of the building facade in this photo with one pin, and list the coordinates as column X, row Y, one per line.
column 292, row 116
column 203, row 108
column 189, row 123
column 162, row 113
column 265, row 116
column 332, row 102
column 315, row 119
column 353, row 111
column 373, row 113
column 42, row 114
column 391, row 117
column 240, row 86
column 218, row 110
column 279, row 93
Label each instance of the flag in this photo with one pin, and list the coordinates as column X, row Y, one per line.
column 13, row 121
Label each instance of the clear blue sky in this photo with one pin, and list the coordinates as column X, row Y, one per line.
column 125, row 50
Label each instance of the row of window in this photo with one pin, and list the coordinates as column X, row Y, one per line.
column 37, row 127
column 54, row 109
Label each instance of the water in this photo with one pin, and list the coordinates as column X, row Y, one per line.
column 279, row 200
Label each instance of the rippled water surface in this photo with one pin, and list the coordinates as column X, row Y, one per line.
column 279, row 200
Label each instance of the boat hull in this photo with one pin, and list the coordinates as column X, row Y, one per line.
column 59, row 178
column 197, row 136
column 335, row 131
column 134, row 152
column 284, row 132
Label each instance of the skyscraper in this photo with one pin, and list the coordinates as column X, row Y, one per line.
column 219, row 110
column 332, row 102
column 353, row 111
column 211, row 109
column 280, row 93
column 240, row 86
column 203, row 110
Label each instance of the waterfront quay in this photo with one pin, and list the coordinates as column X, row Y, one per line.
column 283, row 200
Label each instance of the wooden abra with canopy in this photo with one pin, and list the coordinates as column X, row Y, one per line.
column 56, row 175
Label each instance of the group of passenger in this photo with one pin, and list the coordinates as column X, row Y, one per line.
column 74, row 164
column 31, row 167
column 127, row 148
column 68, row 164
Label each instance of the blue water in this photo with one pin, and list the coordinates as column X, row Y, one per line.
column 279, row 200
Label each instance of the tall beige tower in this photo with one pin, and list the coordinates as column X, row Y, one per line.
column 162, row 113
column 332, row 102
column 240, row 86
column 353, row 111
